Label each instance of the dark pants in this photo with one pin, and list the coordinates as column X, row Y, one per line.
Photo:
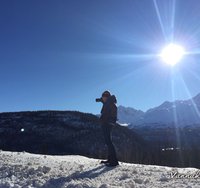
column 107, row 128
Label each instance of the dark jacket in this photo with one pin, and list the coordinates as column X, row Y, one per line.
column 109, row 110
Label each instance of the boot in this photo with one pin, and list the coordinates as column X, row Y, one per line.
column 107, row 161
column 111, row 164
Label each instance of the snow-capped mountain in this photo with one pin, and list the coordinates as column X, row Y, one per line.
column 129, row 115
column 180, row 112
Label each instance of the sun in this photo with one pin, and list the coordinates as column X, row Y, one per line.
column 172, row 54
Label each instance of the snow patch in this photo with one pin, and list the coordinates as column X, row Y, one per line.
column 21, row 169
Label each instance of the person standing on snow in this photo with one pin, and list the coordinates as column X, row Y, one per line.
column 108, row 118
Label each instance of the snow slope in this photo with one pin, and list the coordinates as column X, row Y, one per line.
column 21, row 169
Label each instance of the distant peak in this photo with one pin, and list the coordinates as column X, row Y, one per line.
column 120, row 107
column 123, row 107
column 197, row 97
column 166, row 104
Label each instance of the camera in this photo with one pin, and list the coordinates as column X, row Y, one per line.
column 99, row 100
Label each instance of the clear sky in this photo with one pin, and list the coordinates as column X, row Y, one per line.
column 61, row 55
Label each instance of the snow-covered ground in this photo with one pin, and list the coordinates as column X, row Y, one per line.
column 21, row 169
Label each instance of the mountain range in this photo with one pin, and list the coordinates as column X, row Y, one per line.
column 178, row 112
column 53, row 132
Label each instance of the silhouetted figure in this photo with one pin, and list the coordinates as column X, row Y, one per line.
column 108, row 118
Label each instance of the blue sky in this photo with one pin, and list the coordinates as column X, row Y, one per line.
column 61, row 55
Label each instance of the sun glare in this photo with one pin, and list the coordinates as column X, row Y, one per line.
column 172, row 54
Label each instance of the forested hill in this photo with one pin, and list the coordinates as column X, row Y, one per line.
column 67, row 132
